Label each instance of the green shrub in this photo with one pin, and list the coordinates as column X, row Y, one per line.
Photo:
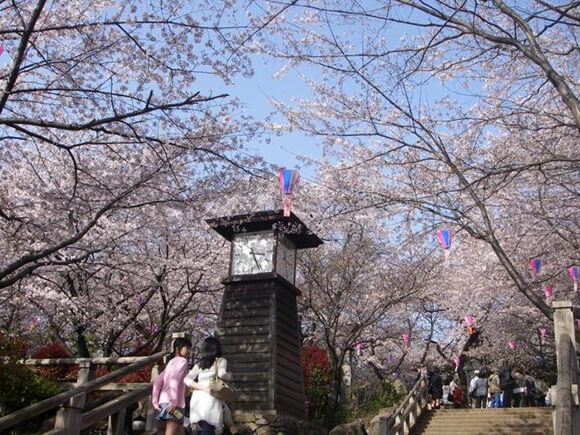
column 19, row 386
column 384, row 397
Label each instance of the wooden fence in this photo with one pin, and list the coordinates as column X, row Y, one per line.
column 75, row 410
column 406, row 416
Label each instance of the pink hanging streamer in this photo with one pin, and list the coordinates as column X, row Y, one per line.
column 548, row 291
column 542, row 335
column 287, row 179
column 573, row 271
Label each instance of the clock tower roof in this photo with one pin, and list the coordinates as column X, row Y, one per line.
column 292, row 227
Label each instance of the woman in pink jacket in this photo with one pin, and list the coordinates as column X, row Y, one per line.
column 168, row 396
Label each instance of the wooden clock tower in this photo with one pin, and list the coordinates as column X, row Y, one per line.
column 258, row 325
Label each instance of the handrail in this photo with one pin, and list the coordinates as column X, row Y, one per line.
column 54, row 401
column 76, row 361
column 403, row 417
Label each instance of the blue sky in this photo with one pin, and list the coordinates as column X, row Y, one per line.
column 255, row 92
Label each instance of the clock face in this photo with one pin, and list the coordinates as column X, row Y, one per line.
column 286, row 259
column 252, row 253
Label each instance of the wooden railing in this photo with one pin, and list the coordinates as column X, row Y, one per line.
column 405, row 417
column 564, row 394
column 72, row 416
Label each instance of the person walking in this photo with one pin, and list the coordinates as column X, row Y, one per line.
column 206, row 410
column 168, row 395
column 478, row 389
column 456, row 391
column 519, row 388
column 494, row 389
column 435, row 388
column 507, row 384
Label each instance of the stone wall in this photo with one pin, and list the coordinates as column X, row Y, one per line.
column 271, row 423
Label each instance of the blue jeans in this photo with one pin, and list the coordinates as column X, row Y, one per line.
column 496, row 400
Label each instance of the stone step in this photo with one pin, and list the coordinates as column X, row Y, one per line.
column 490, row 427
column 514, row 421
column 464, row 431
column 542, row 410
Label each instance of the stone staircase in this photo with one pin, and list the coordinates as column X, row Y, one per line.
column 513, row 421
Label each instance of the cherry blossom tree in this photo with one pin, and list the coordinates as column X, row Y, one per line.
column 115, row 148
column 353, row 284
column 465, row 114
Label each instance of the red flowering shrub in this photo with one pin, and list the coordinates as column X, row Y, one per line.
column 101, row 371
column 316, row 370
column 143, row 374
column 140, row 376
column 52, row 351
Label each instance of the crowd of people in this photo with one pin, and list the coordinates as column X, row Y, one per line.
column 497, row 388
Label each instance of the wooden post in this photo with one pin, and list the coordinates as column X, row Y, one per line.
column 116, row 424
column 69, row 416
column 567, row 415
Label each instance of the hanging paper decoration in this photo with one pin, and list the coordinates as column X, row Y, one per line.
column 535, row 264
column 198, row 318
column 573, row 271
column 444, row 237
column 406, row 340
column 548, row 292
column 542, row 335
column 358, row 348
column 287, row 179
column 153, row 328
column 33, row 323
column 1, row 49
column 469, row 322
column 512, row 344
column 139, row 299
column 457, row 361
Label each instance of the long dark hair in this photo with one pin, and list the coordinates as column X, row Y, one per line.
column 180, row 343
column 211, row 349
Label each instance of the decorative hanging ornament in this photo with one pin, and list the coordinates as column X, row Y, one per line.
column 512, row 344
column 358, row 348
column 406, row 340
column 469, row 322
column 548, row 292
column 33, row 323
column 139, row 299
column 573, row 271
column 444, row 237
column 287, row 179
column 535, row 264
column 542, row 335
column 153, row 328
column 457, row 361
column 198, row 318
